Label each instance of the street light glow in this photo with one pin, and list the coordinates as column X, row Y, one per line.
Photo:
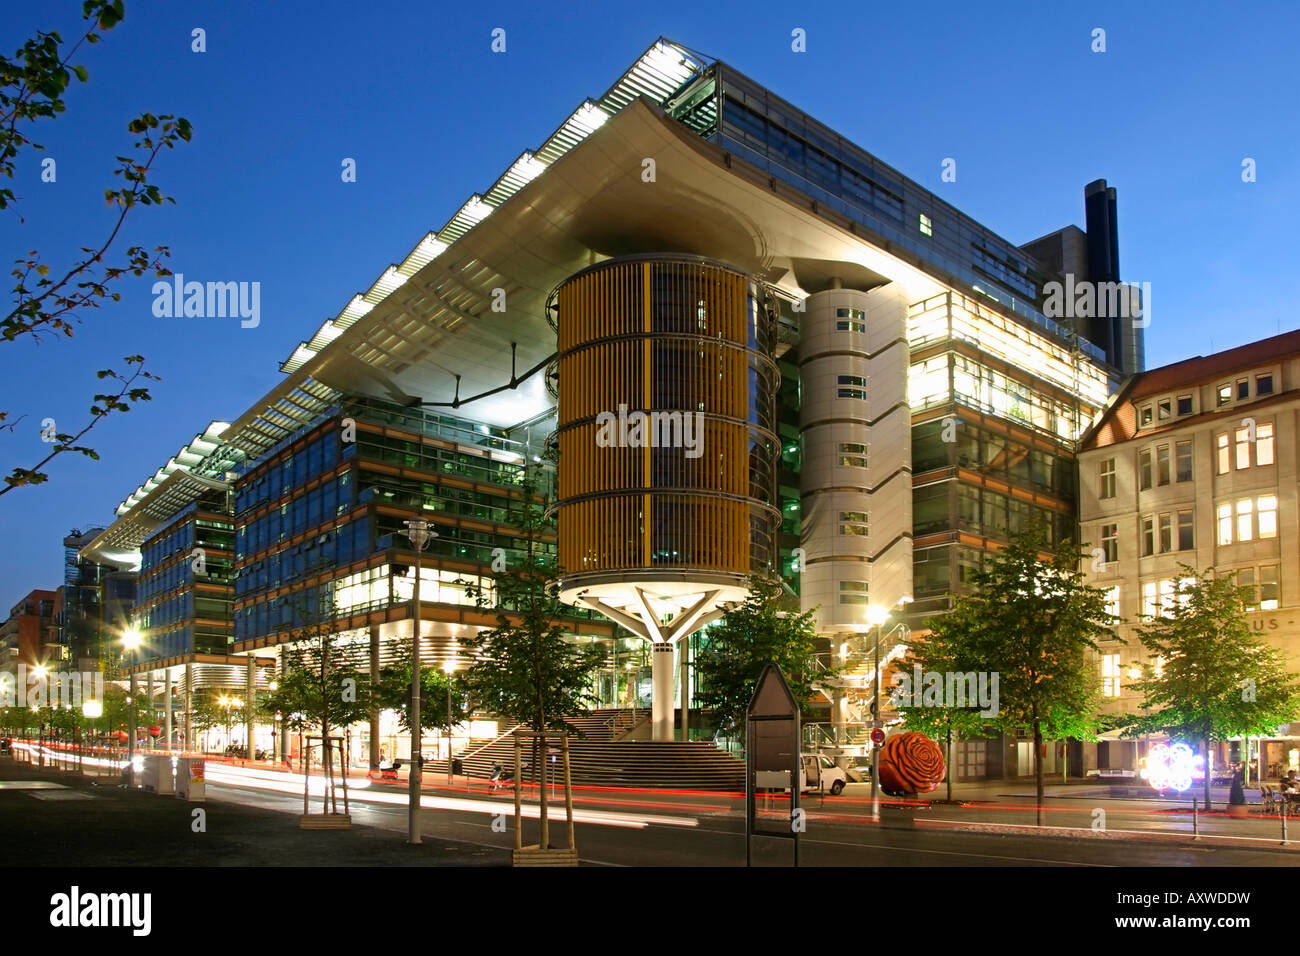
column 132, row 638
column 877, row 615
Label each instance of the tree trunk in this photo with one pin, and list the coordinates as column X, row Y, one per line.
column 1205, row 750
column 950, row 764
column 1038, row 768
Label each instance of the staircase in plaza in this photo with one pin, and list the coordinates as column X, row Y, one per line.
column 608, row 756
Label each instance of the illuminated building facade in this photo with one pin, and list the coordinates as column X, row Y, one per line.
column 882, row 398
column 1195, row 464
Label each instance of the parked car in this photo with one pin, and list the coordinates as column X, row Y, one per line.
column 818, row 772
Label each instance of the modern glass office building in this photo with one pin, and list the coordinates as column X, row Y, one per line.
column 884, row 399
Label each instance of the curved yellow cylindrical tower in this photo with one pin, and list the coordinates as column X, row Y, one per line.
column 667, row 441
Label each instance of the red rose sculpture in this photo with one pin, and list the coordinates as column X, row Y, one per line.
column 910, row 763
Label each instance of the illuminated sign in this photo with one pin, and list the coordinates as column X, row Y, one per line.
column 1172, row 767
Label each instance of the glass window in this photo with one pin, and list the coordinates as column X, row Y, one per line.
column 1264, row 384
column 1110, row 675
column 859, row 389
column 853, row 592
column 1225, row 395
column 853, row 454
column 1184, row 404
column 1183, row 461
column 1166, row 533
column 1106, row 478
column 1144, row 469
column 1164, row 408
column 1162, row 465
column 844, row 325
column 1225, row 524
column 1246, row 579
column 1245, row 524
column 1266, row 507
column 1221, row 453
column 1110, row 542
column 1243, row 388
column 1149, row 596
column 1112, row 601
column 1186, row 533
column 1148, row 535
column 925, row 225
column 1145, row 415
column 853, row 522
column 1243, row 448
column 1270, row 588
column 1264, row 444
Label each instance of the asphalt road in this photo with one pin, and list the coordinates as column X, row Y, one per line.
column 705, row 830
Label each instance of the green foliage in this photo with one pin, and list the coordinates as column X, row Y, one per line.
column 525, row 669
column 393, row 692
column 320, row 685
column 1217, row 681
column 1032, row 621
column 766, row 626
column 32, row 88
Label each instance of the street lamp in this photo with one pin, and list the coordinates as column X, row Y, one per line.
column 876, row 617
column 131, row 641
column 448, row 668
column 417, row 529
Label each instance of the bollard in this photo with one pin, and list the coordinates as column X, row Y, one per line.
column 1196, row 828
column 1281, row 811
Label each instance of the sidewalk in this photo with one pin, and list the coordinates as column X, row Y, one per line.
column 72, row 820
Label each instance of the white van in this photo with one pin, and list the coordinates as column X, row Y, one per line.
column 817, row 772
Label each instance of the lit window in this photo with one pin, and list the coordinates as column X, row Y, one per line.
column 1264, row 444
column 1221, row 453
column 1225, row 524
column 1266, row 508
column 853, row 454
column 853, row 522
column 1111, row 598
column 1106, row 478
column 1168, row 592
column 1263, row 384
column 1183, row 463
column 1110, row 675
column 926, row 225
column 1186, row 532
column 853, row 592
column 1243, row 448
column 1270, row 588
column 1225, row 394
column 1149, row 597
column 1245, row 525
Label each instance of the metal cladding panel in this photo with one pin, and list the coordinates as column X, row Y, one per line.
column 666, row 405
column 856, row 456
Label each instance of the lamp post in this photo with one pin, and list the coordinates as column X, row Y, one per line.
column 876, row 617
column 448, row 667
column 131, row 641
column 417, row 529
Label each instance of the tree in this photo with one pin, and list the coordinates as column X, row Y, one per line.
column 765, row 627
column 1211, row 680
column 525, row 670
column 320, row 684
column 393, row 692
column 32, row 88
column 1032, row 621
column 940, row 652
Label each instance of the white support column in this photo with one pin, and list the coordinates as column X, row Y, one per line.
column 189, row 706
column 661, row 674
column 167, row 692
column 250, row 711
column 684, row 679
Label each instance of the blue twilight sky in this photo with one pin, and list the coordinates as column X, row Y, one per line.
column 412, row 91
